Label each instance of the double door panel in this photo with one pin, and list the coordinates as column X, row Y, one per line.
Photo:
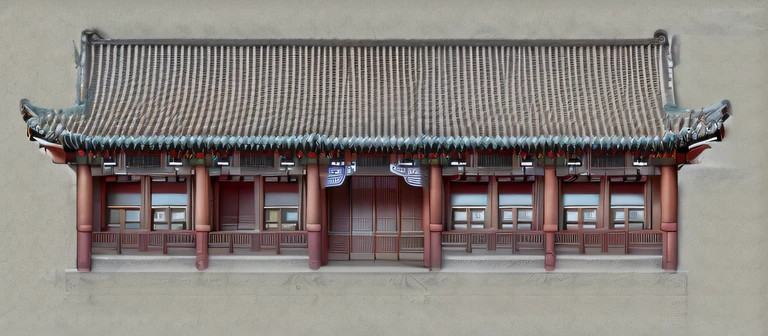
column 364, row 221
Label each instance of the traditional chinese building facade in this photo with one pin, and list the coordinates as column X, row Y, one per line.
column 376, row 150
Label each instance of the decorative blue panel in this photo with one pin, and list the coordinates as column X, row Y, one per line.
column 336, row 175
column 412, row 175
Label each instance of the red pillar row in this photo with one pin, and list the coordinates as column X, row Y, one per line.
column 84, row 217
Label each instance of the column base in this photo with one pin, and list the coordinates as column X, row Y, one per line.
column 436, row 251
column 669, row 252
column 84, row 251
column 549, row 251
column 314, row 244
column 201, row 247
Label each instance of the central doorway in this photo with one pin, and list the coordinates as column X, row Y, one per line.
column 375, row 218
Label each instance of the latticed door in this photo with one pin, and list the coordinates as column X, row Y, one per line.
column 364, row 219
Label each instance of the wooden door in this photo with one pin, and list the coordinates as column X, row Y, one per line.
column 364, row 219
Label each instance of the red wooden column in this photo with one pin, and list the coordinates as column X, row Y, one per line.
column 669, row 217
column 425, row 223
column 324, row 228
column 551, row 215
column 202, row 218
column 314, row 222
column 435, row 216
column 84, row 217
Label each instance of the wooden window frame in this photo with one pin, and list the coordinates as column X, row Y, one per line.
column 580, row 220
column 168, row 209
column 468, row 222
column 515, row 222
column 627, row 221
column 279, row 223
column 122, row 221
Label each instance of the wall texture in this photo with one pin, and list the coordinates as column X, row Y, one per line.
column 722, row 291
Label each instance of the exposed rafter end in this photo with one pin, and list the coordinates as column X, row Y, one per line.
column 58, row 155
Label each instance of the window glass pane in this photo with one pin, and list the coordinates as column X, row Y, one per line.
column 572, row 227
column 132, row 215
column 478, row 215
column 523, row 226
column 619, row 226
column 618, row 215
column 460, row 226
column 460, row 216
column 506, row 215
column 178, row 215
column 281, row 199
column 290, row 215
column 515, row 199
column 469, row 199
column 572, row 215
column 270, row 226
column 581, row 199
column 636, row 215
column 290, row 226
column 507, row 226
column 273, row 215
column 177, row 226
column 627, row 199
column 590, row 215
column 524, row 214
column 477, row 226
column 169, row 199
column 635, row 226
column 158, row 227
column 124, row 199
column 114, row 216
column 159, row 215
column 132, row 226
column 589, row 226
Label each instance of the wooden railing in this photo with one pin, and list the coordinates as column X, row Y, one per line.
column 606, row 239
column 256, row 241
column 581, row 240
column 494, row 239
column 143, row 241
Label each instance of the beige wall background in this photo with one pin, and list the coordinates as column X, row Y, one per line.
column 723, row 229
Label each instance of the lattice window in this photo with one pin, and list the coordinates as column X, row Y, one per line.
column 608, row 161
column 494, row 161
column 372, row 161
column 142, row 161
column 258, row 161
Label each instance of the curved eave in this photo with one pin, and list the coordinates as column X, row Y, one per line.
column 705, row 124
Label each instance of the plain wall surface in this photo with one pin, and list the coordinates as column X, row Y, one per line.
column 723, row 232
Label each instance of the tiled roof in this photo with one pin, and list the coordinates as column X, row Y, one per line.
column 403, row 95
